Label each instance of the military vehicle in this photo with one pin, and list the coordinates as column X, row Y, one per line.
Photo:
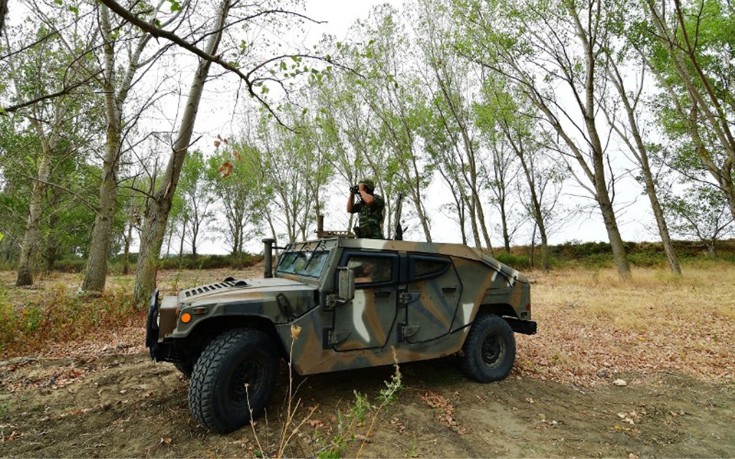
column 350, row 303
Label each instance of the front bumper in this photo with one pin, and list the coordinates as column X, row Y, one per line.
column 151, row 327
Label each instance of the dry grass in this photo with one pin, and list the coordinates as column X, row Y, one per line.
column 51, row 318
column 593, row 325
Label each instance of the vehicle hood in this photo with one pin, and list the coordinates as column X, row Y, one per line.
column 237, row 290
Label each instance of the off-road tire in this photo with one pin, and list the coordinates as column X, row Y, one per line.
column 489, row 350
column 217, row 395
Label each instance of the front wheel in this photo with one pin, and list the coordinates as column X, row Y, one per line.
column 489, row 350
column 233, row 378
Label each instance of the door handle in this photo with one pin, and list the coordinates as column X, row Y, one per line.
column 448, row 290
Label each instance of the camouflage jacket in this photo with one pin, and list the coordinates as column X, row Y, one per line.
column 370, row 218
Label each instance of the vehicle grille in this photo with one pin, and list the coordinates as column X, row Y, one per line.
column 229, row 282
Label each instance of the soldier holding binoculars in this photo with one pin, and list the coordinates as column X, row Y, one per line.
column 369, row 209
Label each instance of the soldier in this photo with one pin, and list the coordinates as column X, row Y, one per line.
column 369, row 208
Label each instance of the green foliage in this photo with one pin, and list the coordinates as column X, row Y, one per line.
column 361, row 412
column 235, row 261
column 516, row 261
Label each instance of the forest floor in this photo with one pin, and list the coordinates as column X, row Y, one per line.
column 626, row 369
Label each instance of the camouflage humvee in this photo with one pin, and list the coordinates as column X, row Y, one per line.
column 354, row 301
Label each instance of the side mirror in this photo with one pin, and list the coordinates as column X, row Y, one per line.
column 346, row 287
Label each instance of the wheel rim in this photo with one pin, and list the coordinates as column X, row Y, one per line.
column 493, row 349
column 249, row 373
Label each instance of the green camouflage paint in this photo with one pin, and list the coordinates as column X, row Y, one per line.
column 422, row 314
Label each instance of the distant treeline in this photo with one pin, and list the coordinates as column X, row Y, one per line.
column 587, row 254
column 599, row 254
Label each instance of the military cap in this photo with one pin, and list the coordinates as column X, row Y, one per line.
column 369, row 184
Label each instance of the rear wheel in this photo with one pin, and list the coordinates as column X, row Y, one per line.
column 233, row 377
column 489, row 350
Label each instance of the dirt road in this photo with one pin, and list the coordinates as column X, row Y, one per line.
column 119, row 403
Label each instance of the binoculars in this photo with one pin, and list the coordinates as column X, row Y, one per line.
column 355, row 189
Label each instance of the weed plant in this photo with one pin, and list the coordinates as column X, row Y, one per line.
column 357, row 424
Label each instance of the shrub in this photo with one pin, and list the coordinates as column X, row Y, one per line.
column 71, row 265
column 598, row 260
column 516, row 261
column 210, row 261
column 647, row 259
column 57, row 316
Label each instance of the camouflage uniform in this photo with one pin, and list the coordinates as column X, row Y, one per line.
column 370, row 216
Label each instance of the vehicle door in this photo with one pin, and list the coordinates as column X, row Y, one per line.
column 431, row 297
column 368, row 320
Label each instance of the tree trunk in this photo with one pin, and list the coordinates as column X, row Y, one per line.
column 182, row 240
column 99, row 249
column 640, row 151
column 481, row 220
column 504, row 226
column 32, row 235
column 613, row 233
column 159, row 205
column 601, row 194
column 126, row 253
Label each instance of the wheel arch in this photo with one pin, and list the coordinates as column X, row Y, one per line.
column 509, row 314
column 499, row 309
column 210, row 328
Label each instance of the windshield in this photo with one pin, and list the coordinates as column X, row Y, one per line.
column 304, row 263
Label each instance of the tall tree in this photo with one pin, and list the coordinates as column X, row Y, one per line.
column 543, row 46
column 117, row 78
column 159, row 205
column 198, row 198
column 36, row 66
column 236, row 180
column 451, row 80
column 392, row 92
column 630, row 131
column 694, row 61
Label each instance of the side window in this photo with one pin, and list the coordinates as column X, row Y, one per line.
column 371, row 270
column 422, row 268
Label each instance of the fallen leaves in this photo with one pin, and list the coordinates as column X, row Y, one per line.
column 444, row 411
column 591, row 332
